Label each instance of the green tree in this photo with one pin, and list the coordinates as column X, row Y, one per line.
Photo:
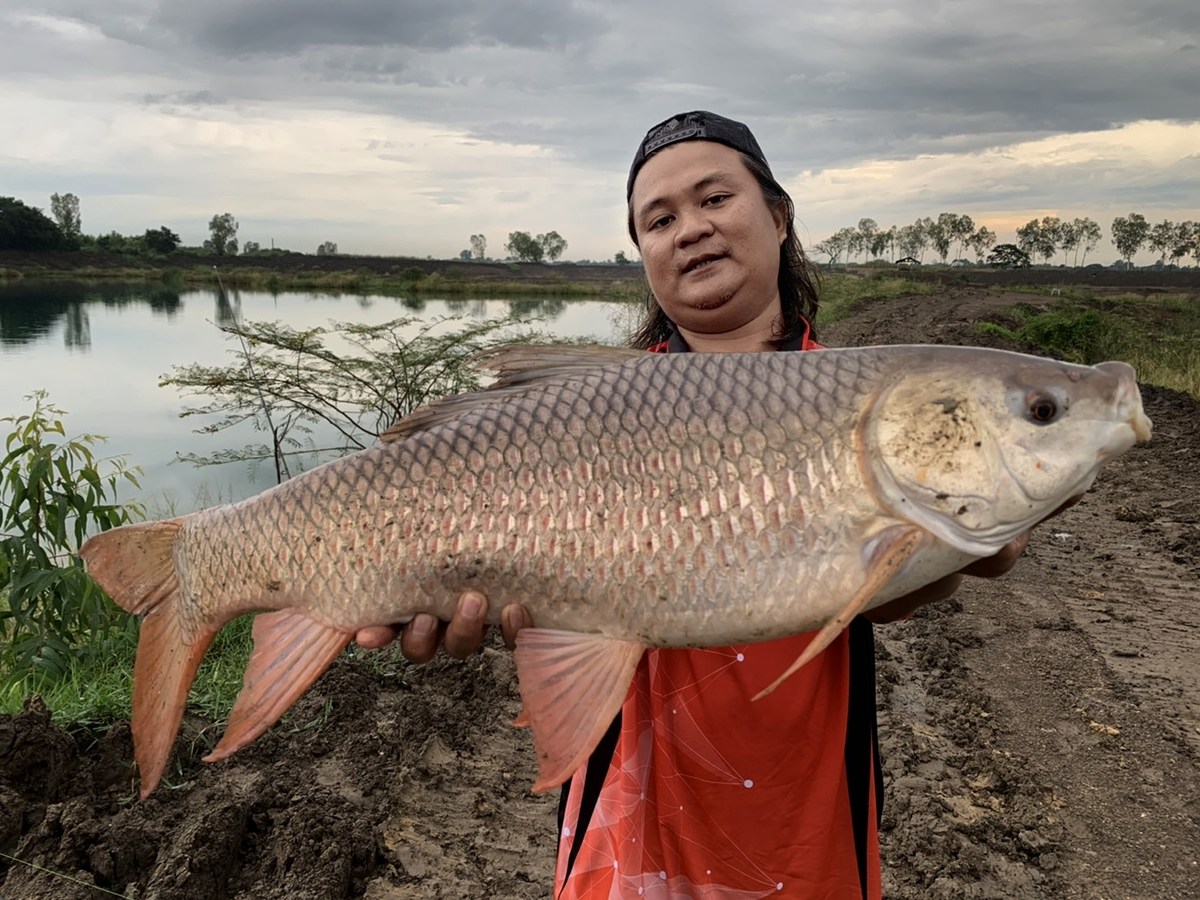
column 913, row 240
column 293, row 385
column 1129, row 234
column 28, row 228
column 1089, row 235
column 620, row 258
column 54, row 492
column 841, row 241
column 981, row 242
column 65, row 209
column 552, row 244
column 1035, row 239
column 865, row 236
column 479, row 246
column 1193, row 235
column 160, row 240
column 939, row 234
column 524, row 247
column 223, row 228
column 1008, row 256
column 251, row 248
column 328, row 248
column 1171, row 241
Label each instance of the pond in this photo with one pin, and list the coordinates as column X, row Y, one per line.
column 100, row 351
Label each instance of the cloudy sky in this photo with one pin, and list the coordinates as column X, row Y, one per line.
column 405, row 126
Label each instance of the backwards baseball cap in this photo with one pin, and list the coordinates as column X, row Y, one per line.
column 694, row 126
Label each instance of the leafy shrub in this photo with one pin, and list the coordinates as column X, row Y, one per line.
column 54, row 492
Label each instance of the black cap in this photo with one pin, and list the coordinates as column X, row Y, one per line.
column 694, row 126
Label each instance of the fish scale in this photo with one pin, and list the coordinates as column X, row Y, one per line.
column 628, row 500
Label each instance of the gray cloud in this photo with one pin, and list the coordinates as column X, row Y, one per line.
column 823, row 84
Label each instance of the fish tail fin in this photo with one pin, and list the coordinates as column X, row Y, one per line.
column 135, row 566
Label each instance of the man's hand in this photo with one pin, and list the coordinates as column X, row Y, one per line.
column 944, row 588
column 462, row 635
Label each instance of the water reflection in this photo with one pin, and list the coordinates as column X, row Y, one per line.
column 102, row 349
column 31, row 310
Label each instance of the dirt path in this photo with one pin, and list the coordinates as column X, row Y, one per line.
column 1041, row 734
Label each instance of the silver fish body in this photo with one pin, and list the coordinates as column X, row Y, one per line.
column 628, row 500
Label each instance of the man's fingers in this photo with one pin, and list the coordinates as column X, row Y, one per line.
column 513, row 618
column 419, row 639
column 995, row 566
column 464, row 634
column 375, row 637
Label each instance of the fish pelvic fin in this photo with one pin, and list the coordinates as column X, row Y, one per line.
column 572, row 686
column 135, row 565
column 894, row 547
column 290, row 652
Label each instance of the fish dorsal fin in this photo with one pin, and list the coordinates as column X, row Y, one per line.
column 523, row 364
column 520, row 369
column 572, row 686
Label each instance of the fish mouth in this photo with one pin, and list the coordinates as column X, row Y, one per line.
column 699, row 262
column 1129, row 400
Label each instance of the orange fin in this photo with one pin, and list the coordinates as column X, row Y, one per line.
column 895, row 547
column 135, row 566
column 163, row 673
column 290, row 653
column 572, row 686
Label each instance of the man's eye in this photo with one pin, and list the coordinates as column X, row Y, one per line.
column 716, row 199
column 660, row 222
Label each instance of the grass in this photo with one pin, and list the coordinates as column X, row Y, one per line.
column 407, row 282
column 91, row 696
column 841, row 294
column 1158, row 334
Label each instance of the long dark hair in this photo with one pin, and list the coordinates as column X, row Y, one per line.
column 798, row 278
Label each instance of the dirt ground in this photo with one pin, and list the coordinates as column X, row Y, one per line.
column 1040, row 733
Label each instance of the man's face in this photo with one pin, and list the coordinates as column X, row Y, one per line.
column 709, row 241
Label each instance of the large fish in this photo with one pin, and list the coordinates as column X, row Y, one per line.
column 630, row 500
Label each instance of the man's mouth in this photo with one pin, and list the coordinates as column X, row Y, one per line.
column 701, row 262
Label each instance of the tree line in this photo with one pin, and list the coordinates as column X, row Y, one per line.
column 1038, row 238
column 24, row 227
column 521, row 246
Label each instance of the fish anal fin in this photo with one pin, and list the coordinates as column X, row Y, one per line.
column 290, row 652
column 572, row 686
column 893, row 549
column 163, row 672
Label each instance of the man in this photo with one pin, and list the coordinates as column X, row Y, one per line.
column 696, row 791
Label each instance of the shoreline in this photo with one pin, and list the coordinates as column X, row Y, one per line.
column 357, row 274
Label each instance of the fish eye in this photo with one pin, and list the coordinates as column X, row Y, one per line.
column 1042, row 408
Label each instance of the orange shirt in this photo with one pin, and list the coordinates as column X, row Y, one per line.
column 707, row 794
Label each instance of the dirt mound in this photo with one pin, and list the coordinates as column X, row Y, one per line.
column 1040, row 733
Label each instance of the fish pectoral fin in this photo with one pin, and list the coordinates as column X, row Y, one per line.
column 893, row 548
column 290, row 653
column 572, row 686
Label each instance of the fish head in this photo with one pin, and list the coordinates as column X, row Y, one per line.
column 978, row 446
